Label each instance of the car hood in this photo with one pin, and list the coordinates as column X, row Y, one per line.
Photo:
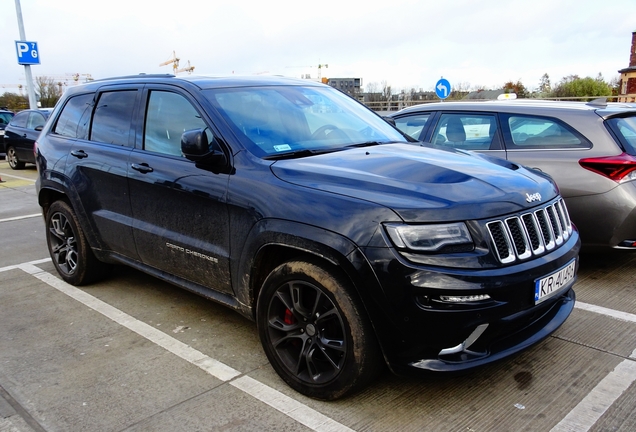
column 422, row 183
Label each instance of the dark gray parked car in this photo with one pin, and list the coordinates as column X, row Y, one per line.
column 20, row 135
column 588, row 148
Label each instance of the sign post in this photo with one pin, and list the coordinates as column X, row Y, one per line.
column 27, row 55
column 442, row 88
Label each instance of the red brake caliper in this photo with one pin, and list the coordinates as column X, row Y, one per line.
column 289, row 317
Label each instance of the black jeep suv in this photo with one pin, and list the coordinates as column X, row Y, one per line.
column 288, row 201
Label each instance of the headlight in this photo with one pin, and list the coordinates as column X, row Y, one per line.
column 431, row 238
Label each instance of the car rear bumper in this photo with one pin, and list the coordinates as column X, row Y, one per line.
column 607, row 219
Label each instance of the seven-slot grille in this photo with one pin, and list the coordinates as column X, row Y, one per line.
column 531, row 234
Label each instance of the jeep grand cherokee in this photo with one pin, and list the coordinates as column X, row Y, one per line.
column 286, row 200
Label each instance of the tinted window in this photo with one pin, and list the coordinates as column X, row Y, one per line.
column 542, row 133
column 73, row 121
column 467, row 131
column 113, row 117
column 35, row 119
column 169, row 115
column 20, row 119
column 625, row 129
column 5, row 117
column 412, row 125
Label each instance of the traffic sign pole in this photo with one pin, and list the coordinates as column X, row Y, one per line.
column 27, row 67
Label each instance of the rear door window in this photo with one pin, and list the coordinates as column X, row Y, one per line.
column 20, row 119
column 113, row 117
column 530, row 132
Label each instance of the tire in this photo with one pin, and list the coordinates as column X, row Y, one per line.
column 12, row 158
column 71, row 254
column 314, row 333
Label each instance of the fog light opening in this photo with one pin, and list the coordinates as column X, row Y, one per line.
column 463, row 347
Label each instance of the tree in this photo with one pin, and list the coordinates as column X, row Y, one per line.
column 14, row 101
column 459, row 90
column 573, row 86
column 518, row 88
column 48, row 90
column 544, row 84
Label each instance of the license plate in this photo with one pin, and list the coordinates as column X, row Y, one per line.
column 553, row 284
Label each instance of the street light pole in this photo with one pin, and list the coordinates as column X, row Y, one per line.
column 27, row 68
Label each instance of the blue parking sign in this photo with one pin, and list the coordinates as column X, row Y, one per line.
column 27, row 53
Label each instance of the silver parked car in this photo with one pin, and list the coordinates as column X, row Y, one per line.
column 588, row 148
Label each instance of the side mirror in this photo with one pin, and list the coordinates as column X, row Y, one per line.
column 196, row 147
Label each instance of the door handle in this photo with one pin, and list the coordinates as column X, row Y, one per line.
column 80, row 154
column 142, row 168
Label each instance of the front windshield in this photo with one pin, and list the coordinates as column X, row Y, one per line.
column 279, row 121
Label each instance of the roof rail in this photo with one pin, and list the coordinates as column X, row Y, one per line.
column 598, row 102
column 141, row 75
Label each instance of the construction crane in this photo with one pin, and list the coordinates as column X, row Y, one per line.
column 175, row 64
column 308, row 76
column 20, row 87
column 174, row 61
column 187, row 69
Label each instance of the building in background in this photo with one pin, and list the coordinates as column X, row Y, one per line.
column 627, row 92
column 350, row 86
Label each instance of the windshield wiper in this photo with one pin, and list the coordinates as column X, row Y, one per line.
column 366, row 144
column 300, row 153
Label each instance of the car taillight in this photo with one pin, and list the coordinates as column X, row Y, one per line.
column 35, row 148
column 619, row 168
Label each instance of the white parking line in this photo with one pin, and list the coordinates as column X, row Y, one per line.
column 593, row 406
column 17, row 177
column 282, row 403
column 21, row 217
column 623, row 316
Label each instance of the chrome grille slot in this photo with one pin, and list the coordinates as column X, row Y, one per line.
column 530, row 234
column 501, row 240
column 519, row 237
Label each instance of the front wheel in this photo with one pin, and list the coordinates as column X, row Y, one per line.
column 71, row 254
column 314, row 332
column 13, row 160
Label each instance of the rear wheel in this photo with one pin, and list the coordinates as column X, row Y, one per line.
column 315, row 334
column 71, row 254
column 12, row 158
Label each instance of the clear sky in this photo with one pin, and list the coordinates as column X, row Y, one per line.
column 407, row 43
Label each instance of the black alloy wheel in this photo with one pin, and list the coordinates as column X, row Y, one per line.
column 69, row 250
column 13, row 160
column 313, row 332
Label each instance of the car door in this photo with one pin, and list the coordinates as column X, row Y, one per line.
column 552, row 146
column 34, row 124
column 475, row 131
column 15, row 134
column 181, row 222
column 98, row 164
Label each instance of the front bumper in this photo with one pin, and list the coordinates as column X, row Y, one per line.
column 419, row 332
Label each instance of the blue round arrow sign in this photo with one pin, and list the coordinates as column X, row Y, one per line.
column 442, row 88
